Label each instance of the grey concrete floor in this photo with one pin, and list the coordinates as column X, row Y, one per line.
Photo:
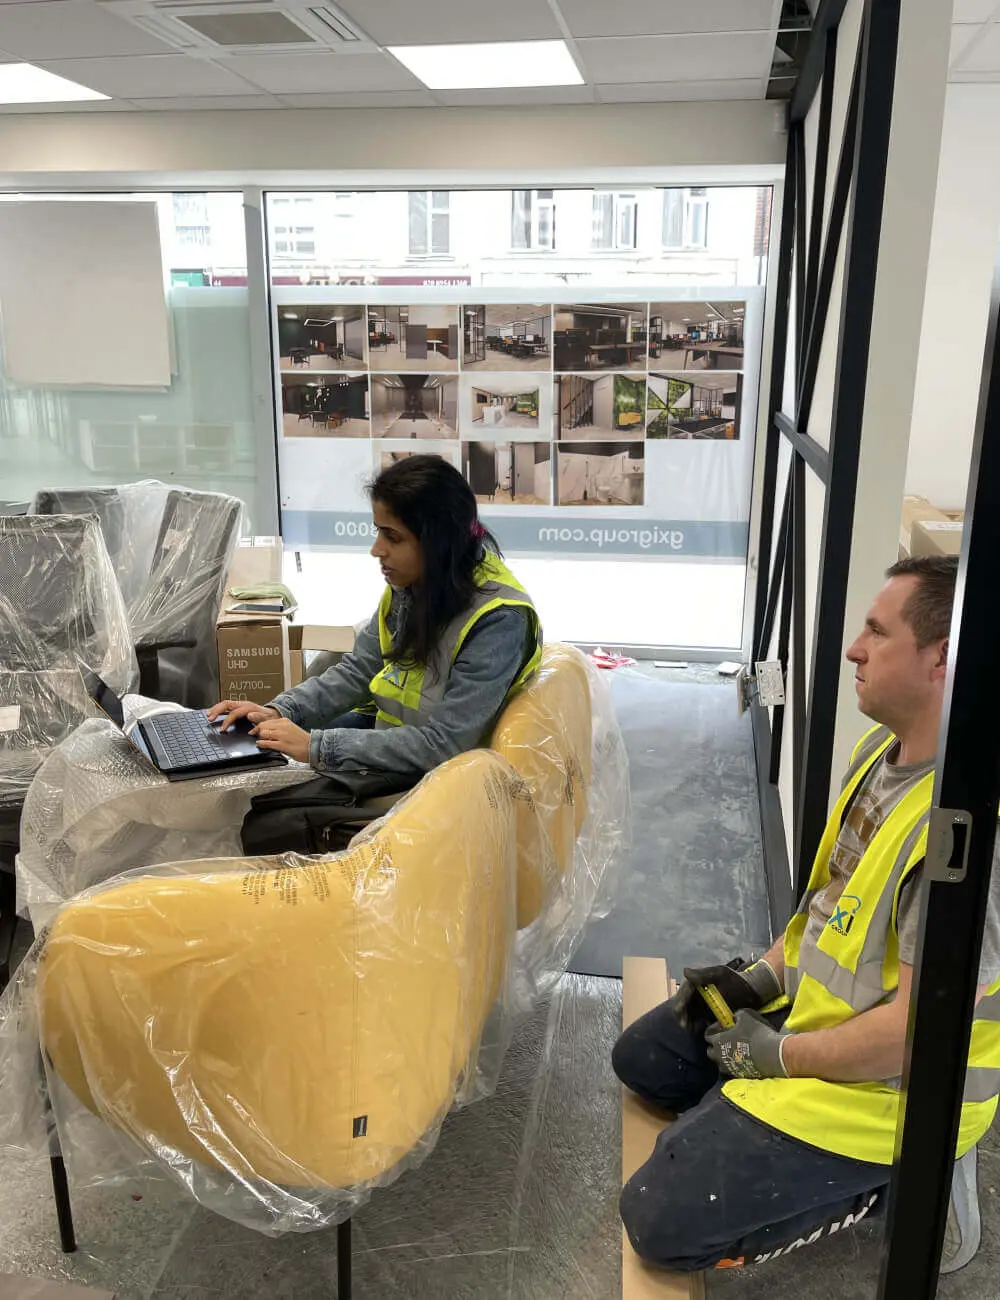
column 519, row 1199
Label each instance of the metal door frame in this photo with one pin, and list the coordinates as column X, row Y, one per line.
column 807, row 262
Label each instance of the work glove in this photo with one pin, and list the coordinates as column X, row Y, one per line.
column 742, row 986
column 750, row 1050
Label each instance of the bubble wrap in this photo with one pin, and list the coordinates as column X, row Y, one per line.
column 284, row 1035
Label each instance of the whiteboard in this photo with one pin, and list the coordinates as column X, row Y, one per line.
column 82, row 299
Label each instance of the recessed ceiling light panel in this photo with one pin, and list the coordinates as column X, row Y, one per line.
column 490, row 66
column 23, row 83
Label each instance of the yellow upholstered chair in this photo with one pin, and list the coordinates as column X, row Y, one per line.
column 310, row 1021
column 545, row 734
column 302, row 1020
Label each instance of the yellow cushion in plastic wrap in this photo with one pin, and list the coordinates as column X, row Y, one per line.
column 545, row 734
column 305, row 1023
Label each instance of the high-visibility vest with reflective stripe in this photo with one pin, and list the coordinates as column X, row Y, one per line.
column 410, row 696
column 853, row 968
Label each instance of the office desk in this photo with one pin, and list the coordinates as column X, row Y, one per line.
column 717, row 356
column 603, row 352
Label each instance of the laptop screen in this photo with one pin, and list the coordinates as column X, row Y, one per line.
column 105, row 698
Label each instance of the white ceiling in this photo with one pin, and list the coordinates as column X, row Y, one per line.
column 975, row 41
column 629, row 51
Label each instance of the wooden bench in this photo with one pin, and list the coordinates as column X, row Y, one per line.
column 645, row 984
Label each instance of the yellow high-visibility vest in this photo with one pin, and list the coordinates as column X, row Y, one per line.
column 853, row 968
column 411, row 695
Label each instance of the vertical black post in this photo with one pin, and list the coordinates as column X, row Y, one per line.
column 880, row 34
column 64, row 1207
column 779, row 349
column 967, row 787
column 344, row 1260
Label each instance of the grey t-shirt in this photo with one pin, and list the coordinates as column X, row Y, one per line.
column 886, row 783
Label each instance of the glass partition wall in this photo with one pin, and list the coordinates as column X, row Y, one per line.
column 195, row 430
column 589, row 359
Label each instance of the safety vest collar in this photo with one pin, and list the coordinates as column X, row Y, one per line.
column 410, row 695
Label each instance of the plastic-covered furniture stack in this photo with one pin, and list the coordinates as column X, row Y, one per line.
column 170, row 548
column 283, row 1035
column 60, row 610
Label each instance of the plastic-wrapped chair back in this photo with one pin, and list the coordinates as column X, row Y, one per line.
column 106, row 503
column 196, row 538
column 59, row 604
column 545, row 734
column 308, row 1021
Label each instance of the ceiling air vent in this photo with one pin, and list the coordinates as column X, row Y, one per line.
column 217, row 28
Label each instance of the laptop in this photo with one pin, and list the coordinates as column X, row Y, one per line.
column 182, row 743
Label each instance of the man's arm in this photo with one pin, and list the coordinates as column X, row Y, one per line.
column 868, row 1047
column 775, row 958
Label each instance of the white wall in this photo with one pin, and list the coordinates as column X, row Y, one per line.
column 959, row 274
column 424, row 145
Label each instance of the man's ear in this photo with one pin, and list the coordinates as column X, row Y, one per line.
column 941, row 661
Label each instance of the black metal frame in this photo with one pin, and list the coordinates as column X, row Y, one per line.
column 807, row 261
column 967, row 789
column 954, row 907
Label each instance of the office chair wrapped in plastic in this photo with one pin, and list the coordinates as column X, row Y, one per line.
column 173, row 617
column 60, row 606
column 282, row 1035
column 170, row 548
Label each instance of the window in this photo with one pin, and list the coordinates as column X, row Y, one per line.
column 685, row 218
column 430, row 223
column 191, row 225
column 614, row 221
column 294, row 229
column 533, row 219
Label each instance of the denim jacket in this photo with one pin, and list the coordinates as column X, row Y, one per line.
column 484, row 670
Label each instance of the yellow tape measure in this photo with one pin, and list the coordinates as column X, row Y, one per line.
column 718, row 1005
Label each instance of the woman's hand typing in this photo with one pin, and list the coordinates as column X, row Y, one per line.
column 283, row 735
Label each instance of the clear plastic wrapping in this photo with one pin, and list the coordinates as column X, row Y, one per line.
column 60, row 609
column 170, row 548
column 283, row 1035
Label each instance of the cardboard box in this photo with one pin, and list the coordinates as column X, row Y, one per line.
column 936, row 537
column 303, row 637
column 252, row 648
column 645, row 984
column 915, row 509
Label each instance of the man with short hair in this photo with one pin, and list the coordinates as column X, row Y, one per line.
column 788, row 1118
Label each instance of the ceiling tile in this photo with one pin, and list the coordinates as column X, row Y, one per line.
column 363, row 99
column 973, row 11
column 672, row 91
column 194, row 104
column 438, row 22
column 663, row 17
column 71, row 29
column 302, row 74
column 621, row 60
column 518, row 95
column 962, row 36
column 985, row 55
column 153, row 77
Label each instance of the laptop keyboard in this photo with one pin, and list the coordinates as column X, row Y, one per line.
column 189, row 739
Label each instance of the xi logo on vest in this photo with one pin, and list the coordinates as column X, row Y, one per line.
column 843, row 917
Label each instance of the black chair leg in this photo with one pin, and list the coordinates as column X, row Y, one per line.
column 57, row 1167
column 344, row 1260
column 8, row 925
column 64, row 1207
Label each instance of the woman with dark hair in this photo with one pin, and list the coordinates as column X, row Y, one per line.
column 454, row 636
